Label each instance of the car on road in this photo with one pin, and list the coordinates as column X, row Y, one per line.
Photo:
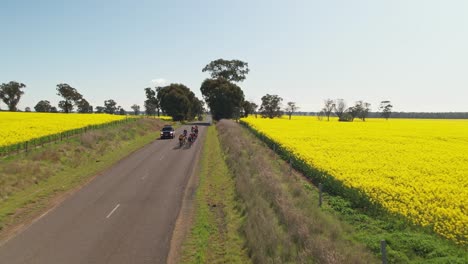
column 167, row 132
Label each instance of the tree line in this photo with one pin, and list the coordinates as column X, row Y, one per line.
column 10, row 94
column 360, row 109
column 222, row 95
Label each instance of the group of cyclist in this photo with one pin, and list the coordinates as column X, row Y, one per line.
column 185, row 136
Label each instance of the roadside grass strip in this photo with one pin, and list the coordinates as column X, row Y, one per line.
column 214, row 236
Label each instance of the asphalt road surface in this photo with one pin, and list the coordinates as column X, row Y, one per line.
column 126, row 215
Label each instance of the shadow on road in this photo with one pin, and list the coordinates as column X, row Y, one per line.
column 199, row 124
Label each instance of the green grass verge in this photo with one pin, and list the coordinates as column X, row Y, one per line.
column 29, row 181
column 214, row 236
column 405, row 243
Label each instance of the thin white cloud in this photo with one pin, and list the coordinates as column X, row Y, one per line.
column 159, row 82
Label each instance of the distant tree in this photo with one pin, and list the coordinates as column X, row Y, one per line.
column 152, row 103
column 223, row 97
column 291, row 108
column 179, row 102
column 329, row 106
column 248, row 108
column 231, row 70
column 340, row 108
column 100, row 109
column 198, row 108
column 110, row 106
column 71, row 96
column 27, row 109
column 65, row 107
column 122, row 111
column 84, row 106
column 136, row 109
column 43, row 106
column 11, row 93
column 321, row 114
column 271, row 106
column 53, row 109
column 365, row 109
column 386, row 109
column 150, row 108
column 254, row 108
column 354, row 111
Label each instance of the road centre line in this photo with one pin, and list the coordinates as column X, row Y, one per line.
column 109, row 215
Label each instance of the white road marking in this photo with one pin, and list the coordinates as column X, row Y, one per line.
column 44, row 214
column 109, row 215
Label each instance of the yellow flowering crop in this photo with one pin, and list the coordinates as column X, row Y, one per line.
column 412, row 167
column 18, row 127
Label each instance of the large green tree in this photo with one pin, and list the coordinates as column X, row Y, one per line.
column 70, row 95
column 100, row 109
column 110, row 106
column 43, row 106
column 271, row 106
column 360, row 109
column 177, row 101
column 83, row 106
column 231, row 70
column 249, row 108
column 223, row 97
column 11, row 93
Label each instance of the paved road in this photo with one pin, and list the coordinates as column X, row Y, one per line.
column 126, row 215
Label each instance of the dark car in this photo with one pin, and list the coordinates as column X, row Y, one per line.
column 167, row 132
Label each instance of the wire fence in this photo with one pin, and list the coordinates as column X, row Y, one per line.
column 33, row 143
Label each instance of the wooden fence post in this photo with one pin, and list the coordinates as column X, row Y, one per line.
column 383, row 249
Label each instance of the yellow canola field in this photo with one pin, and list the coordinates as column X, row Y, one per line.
column 413, row 167
column 18, row 127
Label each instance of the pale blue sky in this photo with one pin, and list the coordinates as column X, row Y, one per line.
column 414, row 53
